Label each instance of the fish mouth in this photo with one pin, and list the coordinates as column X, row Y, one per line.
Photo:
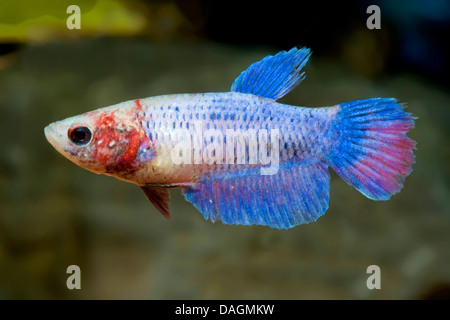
column 53, row 134
column 49, row 132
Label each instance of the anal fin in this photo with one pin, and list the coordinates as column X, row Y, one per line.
column 297, row 194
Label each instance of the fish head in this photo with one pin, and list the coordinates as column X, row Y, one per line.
column 105, row 141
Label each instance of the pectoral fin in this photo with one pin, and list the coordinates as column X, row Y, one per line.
column 159, row 196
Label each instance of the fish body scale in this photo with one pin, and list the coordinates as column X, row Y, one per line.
column 305, row 134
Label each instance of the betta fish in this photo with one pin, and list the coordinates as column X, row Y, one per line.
column 240, row 156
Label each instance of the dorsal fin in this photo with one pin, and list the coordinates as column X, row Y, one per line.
column 273, row 76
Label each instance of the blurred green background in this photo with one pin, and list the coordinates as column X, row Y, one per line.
column 54, row 214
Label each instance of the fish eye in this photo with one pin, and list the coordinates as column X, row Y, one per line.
column 80, row 135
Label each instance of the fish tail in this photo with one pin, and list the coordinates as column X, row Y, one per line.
column 373, row 153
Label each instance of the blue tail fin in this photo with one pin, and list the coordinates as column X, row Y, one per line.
column 373, row 153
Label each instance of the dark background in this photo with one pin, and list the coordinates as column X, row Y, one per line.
column 54, row 214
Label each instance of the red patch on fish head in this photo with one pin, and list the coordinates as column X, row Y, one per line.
column 116, row 142
column 138, row 104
